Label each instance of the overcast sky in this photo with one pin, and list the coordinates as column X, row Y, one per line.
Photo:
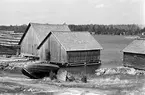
column 72, row 11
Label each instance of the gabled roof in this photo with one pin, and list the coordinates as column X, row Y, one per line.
column 73, row 41
column 42, row 30
column 137, row 46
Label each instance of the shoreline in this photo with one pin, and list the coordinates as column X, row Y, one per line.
column 118, row 80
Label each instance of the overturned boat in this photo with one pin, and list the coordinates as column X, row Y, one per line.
column 36, row 71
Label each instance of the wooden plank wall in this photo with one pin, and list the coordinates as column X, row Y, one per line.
column 57, row 52
column 44, row 51
column 29, row 43
column 91, row 56
column 134, row 60
column 52, row 51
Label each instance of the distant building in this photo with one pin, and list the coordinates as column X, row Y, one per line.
column 70, row 47
column 35, row 34
column 134, row 54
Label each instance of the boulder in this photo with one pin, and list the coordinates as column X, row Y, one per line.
column 118, row 70
column 61, row 75
column 52, row 75
column 100, row 71
column 111, row 71
column 84, row 79
column 70, row 77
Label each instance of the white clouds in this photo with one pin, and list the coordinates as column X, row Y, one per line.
column 131, row 1
column 19, row 1
column 122, row 0
column 136, row 0
column 100, row 6
column 57, row 11
column 94, row 1
column 68, row 1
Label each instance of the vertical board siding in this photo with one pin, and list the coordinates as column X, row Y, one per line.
column 52, row 51
column 90, row 56
column 55, row 49
column 63, row 55
column 29, row 43
column 44, row 51
column 25, row 43
column 134, row 60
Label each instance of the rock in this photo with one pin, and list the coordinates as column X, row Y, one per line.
column 84, row 79
column 70, row 77
column 61, row 75
column 52, row 75
column 132, row 71
column 118, row 70
column 46, row 79
column 4, row 65
column 140, row 72
column 111, row 71
column 123, row 70
column 100, row 71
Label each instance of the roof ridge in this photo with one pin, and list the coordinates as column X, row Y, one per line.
column 47, row 24
column 71, row 31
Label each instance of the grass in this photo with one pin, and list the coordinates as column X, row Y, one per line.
column 111, row 55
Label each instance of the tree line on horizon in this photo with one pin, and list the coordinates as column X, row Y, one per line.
column 129, row 29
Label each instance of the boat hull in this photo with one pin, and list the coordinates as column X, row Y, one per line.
column 36, row 71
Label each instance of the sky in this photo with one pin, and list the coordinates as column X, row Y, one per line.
column 17, row 12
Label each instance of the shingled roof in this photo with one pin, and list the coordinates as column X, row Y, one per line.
column 137, row 46
column 42, row 30
column 73, row 41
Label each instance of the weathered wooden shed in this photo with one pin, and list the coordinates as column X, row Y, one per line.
column 70, row 47
column 35, row 34
column 134, row 54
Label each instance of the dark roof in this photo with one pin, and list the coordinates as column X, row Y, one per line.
column 73, row 41
column 42, row 30
column 137, row 46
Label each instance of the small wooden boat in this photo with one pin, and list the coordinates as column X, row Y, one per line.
column 36, row 71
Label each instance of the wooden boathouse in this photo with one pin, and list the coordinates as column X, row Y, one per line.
column 35, row 34
column 134, row 54
column 70, row 48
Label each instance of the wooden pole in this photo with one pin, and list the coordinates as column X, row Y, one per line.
column 84, row 78
column 85, row 68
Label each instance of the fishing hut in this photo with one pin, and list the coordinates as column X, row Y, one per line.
column 134, row 54
column 71, row 49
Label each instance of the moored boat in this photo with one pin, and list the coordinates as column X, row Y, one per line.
column 37, row 71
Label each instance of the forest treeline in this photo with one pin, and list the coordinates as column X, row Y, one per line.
column 15, row 28
column 130, row 29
